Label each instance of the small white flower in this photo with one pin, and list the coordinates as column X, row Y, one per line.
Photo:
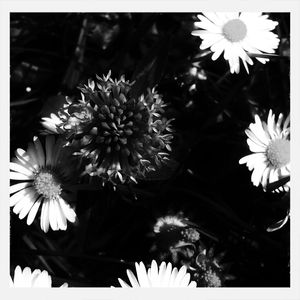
column 169, row 221
column 270, row 144
column 237, row 34
column 26, row 278
column 162, row 276
column 42, row 180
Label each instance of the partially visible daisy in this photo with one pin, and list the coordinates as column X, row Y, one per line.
column 27, row 278
column 43, row 178
column 176, row 223
column 162, row 276
column 169, row 221
column 174, row 237
column 237, row 34
column 270, row 144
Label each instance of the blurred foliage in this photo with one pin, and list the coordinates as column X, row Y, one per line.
column 51, row 53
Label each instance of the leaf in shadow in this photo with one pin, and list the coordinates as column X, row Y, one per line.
column 165, row 172
column 279, row 224
column 149, row 71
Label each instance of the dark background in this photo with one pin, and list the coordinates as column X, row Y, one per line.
column 52, row 53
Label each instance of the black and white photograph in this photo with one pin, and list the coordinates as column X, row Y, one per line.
column 150, row 149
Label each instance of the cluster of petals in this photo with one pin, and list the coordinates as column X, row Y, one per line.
column 158, row 276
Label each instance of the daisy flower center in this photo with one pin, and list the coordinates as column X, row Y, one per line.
column 235, row 30
column 46, row 185
column 278, row 152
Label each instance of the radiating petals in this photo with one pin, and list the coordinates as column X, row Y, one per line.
column 29, row 279
column 256, row 38
column 162, row 276
column 27, row 207
column 20, row 169
column 270, row 146
column 40, row 185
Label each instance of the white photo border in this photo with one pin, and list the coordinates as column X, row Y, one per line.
column 292, row 7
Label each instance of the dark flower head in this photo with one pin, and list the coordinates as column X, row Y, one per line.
column 174, row 237
column 122, row 137
column 209, row 269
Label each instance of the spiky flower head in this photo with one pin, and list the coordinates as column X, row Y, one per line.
column 174, row 229
column 122, row 136
column 174, row 237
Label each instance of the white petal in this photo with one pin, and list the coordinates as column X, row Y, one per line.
column 123, row 283
column 33, row 211
column 254, row 138
column 30, row 194
column 142, row 275
column 15, row 198
column 254, row 147
column 166, row 279
column 19, row 176
column 19, row 186
column 45, row 216
column 185, row 281
column 67, row 210
column 53, row 216
column 24, row 158
column 43, row 280
column 27, row 207
column 161, row 272
column 61, row 220
column 39, row 151
column 257, row 174
column 192, row 284
column 173, row 276
column 180, row 276
column 20, row 169
column 153, row 273
column 134, row 282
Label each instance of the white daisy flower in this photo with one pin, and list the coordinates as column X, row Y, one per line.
column 43, row 177
column 270, row 144
column 237, row 34
column 162, row 276
column 27, row 278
